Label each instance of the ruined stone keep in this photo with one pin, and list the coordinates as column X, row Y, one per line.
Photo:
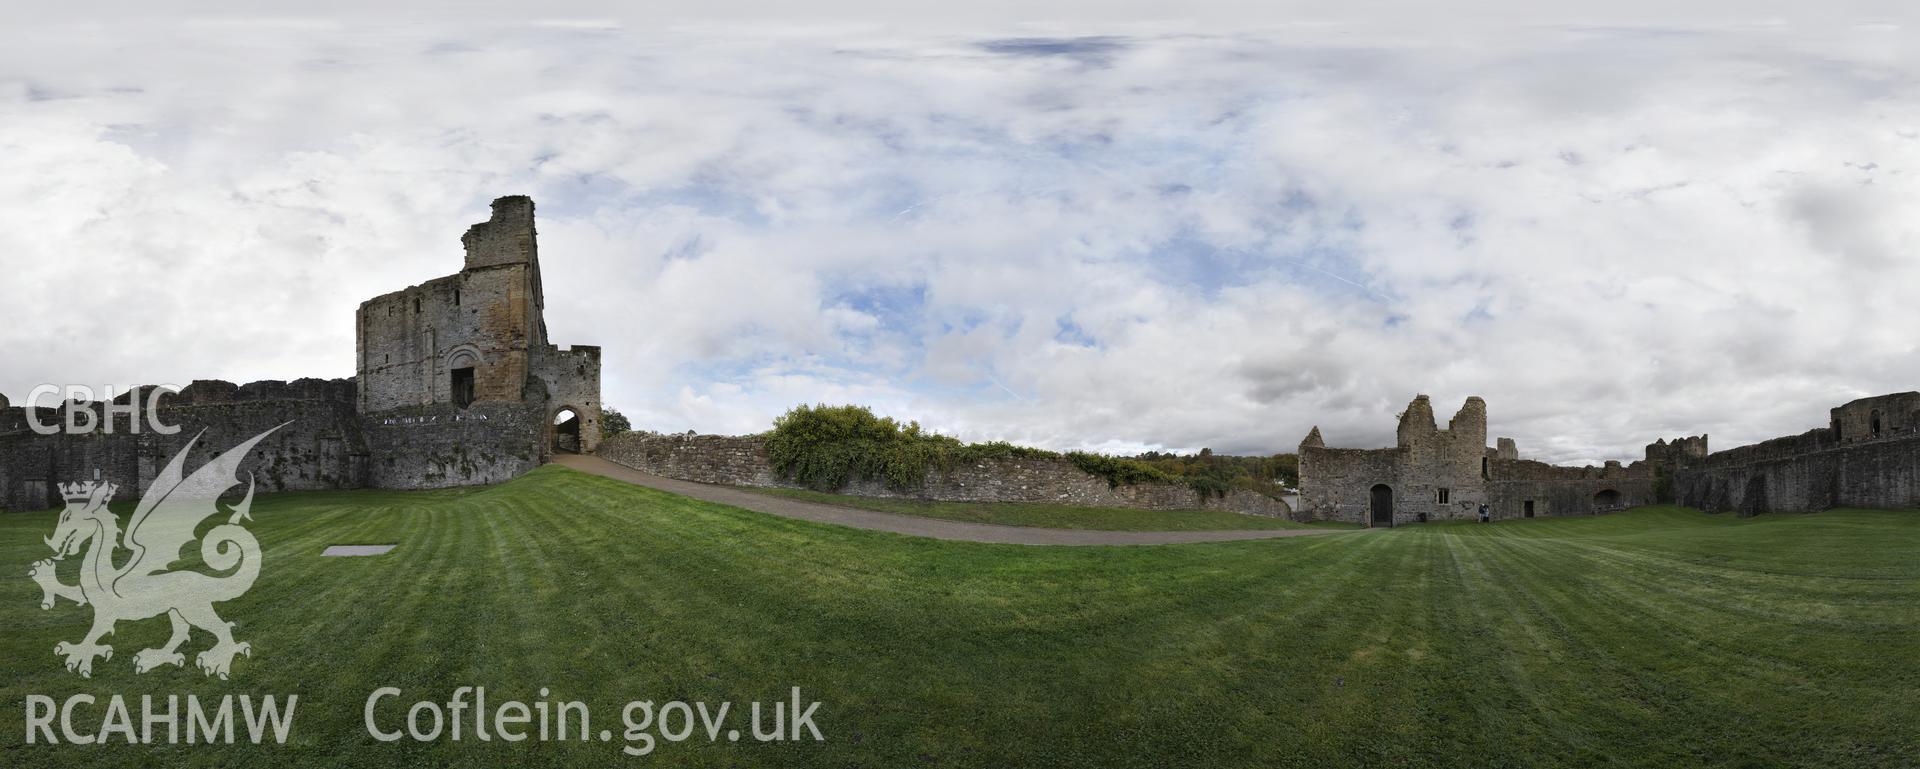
column 456, row 384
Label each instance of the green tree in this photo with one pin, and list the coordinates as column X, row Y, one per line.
column 613, row 423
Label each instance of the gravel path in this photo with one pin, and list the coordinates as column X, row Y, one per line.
column 915, row 525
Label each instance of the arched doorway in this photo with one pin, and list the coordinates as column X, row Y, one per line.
column 460, row 376
column 1382, row 505
column 566, row 431
column 1606, row 500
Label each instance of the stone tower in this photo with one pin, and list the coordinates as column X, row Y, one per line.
column 478, row 338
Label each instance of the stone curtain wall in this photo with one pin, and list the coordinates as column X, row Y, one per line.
column 322, row 448
column 328, row 444
column 438, row 446
column 734, row 460
column 1806, row 473
column 1556, row 490
column 1867, row 456
column 743, row 461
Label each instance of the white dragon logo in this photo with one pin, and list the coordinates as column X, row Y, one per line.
column 161, row 525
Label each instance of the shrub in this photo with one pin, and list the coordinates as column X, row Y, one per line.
column 1119, row 471
column 826, row 447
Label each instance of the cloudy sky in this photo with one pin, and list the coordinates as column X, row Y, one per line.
column 1087, row 232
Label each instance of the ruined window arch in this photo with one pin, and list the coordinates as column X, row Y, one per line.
column 1873, row 423
column 1486, row 469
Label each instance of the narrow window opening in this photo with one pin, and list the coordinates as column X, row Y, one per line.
column 1445, row 495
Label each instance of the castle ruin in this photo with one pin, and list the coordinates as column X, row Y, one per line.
column 456, row 384
column 1868, row 456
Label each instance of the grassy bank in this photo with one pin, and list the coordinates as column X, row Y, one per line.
column 1053, row 516
column 1650, row 638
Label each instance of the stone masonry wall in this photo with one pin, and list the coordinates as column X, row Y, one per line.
column 320, row 447
column 1430, row 464
column 1806, row 473
column 572, row 381
column 1337, row 484
column 743, row 461
column 441, row 445
column 1556, row 490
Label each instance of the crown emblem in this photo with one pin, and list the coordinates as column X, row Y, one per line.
column 88, row 491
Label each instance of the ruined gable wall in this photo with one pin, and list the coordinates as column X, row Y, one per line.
column 743, row 461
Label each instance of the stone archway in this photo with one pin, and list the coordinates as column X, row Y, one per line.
column 1382, row 506
column 1606, row 500
column 564, row 431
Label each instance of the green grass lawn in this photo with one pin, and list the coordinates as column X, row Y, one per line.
column 1053, row 516
column 1654, row 638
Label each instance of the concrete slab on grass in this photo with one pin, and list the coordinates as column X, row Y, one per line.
column 349, row 550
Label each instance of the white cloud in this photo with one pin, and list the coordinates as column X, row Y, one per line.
column 1147, row 240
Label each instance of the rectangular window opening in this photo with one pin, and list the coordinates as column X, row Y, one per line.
column 463, row 387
